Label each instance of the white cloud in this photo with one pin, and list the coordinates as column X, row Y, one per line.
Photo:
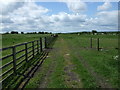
column 108, row 18
column 104, row 21
column 77, row 6
column 26, row 17
column 7, row 6
column 29, row 13
column 64, row 22
column 5, row 19
column 65, row 17
column 31, row 17
column 30, row 10
column 105, row 6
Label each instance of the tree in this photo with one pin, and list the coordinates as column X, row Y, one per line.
column 94, row 31
column 45, row 32
column 7, row 33
column 39, row 32
column 22, row 32
column 50, row 33
column 14, row 32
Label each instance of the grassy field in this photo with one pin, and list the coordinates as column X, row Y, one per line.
column 73, row 64
column 13, row 39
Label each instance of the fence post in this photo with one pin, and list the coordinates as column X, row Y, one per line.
column 40, row 44
column 37, row 47
column 14, row 59
column 45, row 42
column 26, row 52
column 98, row 44
column 33, row 47
column 91, row 42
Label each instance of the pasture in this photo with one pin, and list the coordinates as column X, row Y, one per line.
column 72, row 63
column 13, row 39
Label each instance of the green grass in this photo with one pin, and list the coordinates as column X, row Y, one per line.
column 57, row 77
column 87, row 80
column 102, row 62
column 13, row 39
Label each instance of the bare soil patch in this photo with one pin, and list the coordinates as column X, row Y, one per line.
column 72, row 79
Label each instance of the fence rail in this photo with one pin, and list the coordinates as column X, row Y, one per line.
column 28, row 51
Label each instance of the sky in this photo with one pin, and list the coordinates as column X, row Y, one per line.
column 58, row 17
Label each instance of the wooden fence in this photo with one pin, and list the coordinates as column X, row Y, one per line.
column 29, row 50
column 98, row 43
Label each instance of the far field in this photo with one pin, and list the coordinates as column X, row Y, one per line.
column 71, row 63
column 13, row 39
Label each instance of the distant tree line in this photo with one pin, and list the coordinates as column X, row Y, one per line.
column 16, row 32
column 94, row 32
column 39, row 33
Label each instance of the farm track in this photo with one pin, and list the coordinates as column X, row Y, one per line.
column 101, row 81
column 71, row 78
column 45, row 79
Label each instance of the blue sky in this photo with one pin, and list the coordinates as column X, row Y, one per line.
column 59, row 16
column 57, row 7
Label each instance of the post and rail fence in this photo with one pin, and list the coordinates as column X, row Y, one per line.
column 29, row 50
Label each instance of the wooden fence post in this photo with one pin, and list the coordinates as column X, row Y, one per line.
column 14, row 59
column 37, row 47
column 45, row 42
column 33, row 47
column 40, row 44
column 98, row 44
column 26, row 52
column 91, row 42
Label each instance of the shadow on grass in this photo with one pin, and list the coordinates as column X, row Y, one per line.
column 27, row 70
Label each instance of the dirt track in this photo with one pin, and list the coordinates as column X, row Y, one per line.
column 71, row 78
